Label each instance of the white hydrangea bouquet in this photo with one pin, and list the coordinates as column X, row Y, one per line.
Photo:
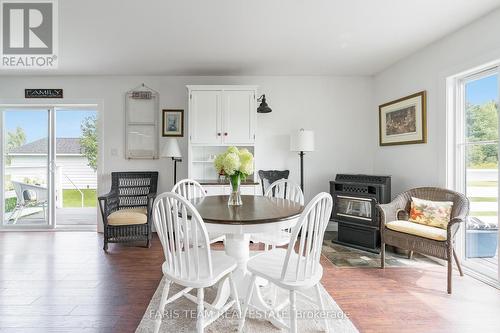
column 236, row 165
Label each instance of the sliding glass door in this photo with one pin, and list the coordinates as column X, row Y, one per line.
column 26, row 157
column 48, row 167
column 478, row 96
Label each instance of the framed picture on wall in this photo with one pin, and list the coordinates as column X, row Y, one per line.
column 173, row 123
column 403, row 121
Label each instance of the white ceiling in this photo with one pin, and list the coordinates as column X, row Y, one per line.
column 257, row 37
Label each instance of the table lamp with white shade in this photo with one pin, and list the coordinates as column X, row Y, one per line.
column 302, row 141
column 171, row 149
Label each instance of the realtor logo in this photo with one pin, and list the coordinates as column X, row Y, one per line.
column 29, row 34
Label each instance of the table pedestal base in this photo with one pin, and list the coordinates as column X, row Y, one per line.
column 237, row 247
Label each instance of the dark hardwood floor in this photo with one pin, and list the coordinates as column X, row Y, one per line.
column 64, row 282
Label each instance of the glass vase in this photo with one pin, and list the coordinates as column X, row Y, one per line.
column 235, row 196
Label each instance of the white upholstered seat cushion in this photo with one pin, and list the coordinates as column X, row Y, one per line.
column 417, row 229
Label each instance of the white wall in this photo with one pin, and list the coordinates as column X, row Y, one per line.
column 336, row 108
column 425, row 164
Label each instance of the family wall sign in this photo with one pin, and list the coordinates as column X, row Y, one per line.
column 43, row 93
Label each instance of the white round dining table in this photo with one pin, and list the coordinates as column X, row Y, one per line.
column 258, row 214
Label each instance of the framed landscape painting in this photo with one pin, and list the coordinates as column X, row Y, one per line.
column 403, row 121
column 173, row 123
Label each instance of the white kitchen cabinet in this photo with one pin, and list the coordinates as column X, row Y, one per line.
column 205, row 116
column 222, row 115
column 238, row 116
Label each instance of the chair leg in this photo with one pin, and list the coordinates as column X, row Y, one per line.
column 200, row 310
column 321, row 305
column 450, row 269
column 410, row 254
column 234, row 294
column 458, row 263
column 293, row 311
column 246, row 301
column 105, row 247
column 382, row 255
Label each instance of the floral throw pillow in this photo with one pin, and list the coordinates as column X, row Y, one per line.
column 431, row 213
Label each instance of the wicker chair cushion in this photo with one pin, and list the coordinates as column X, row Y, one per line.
column 416, row 229
column 128, row 216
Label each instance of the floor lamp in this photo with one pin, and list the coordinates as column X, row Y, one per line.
column 171, row 149
column 302, row 141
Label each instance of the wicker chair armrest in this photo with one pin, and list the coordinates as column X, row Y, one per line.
column 456, row 220
column 463, row 205
column 453, row 226
column 390, row 211
column 107, row 196
column 107, row 204
column 387, row 211
column 151, row 199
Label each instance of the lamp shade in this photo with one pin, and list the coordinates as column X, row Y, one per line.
column 302, row 140
column 171, row 149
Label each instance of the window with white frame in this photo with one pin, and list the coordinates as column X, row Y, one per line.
column 474, row 98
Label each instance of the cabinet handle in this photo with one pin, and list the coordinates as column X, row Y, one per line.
column 218, row 134
column 225, row 134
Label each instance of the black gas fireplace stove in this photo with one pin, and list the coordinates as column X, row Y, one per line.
column 354, row 200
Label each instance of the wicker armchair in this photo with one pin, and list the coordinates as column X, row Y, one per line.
column 399, row 209
column 126, row 209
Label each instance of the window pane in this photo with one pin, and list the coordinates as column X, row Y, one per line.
column 481, row 101
column 481, row 131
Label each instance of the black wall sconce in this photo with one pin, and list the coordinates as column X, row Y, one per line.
column 263, row 107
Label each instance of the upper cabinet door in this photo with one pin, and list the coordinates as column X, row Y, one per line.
column 239, row 116
column 205, row 117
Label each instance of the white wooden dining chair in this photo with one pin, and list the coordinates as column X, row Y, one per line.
column 295, row 271
column 191, row 189
column 193, row 267
column 283, row 189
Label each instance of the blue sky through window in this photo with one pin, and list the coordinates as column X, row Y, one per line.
column 483, row 90
column 35, row 122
